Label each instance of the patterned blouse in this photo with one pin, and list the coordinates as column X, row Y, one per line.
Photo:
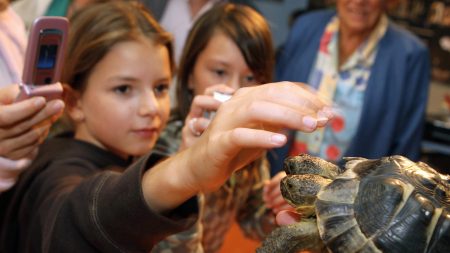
column 239, row 199
column 345, row 86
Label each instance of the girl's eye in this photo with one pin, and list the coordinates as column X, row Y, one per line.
column 249, row 79
column 123, row 89
column 161, row 89
column 219, row 72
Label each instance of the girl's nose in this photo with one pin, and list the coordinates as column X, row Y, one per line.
column 234, row 82
column 148, row 104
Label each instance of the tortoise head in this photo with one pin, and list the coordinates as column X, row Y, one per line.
column 307, row 164
column 306, row 175
column 301, row 190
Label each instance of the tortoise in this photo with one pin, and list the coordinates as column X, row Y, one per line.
column 376, row 205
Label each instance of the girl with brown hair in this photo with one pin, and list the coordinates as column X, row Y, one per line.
column 229, row 47
column 83, row 194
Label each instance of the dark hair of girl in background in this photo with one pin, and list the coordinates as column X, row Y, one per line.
column 245, row 27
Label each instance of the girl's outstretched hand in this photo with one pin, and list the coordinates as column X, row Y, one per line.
column 252, row 121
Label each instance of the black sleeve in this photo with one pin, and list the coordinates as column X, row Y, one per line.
column 107, row 213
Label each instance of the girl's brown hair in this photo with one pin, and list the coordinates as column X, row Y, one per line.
column 249, row 31
column 96, row 28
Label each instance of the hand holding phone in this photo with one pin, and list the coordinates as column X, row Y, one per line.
column 44, row 58
column 25, row 125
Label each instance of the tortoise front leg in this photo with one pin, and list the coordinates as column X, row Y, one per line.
column 293, row 238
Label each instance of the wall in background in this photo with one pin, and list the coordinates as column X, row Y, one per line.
column 278, row 13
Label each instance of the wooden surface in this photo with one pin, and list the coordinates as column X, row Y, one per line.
column 235, row 242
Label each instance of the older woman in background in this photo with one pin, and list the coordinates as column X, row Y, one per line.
column 376, row 74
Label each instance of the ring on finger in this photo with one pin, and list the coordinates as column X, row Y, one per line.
column 191, row 125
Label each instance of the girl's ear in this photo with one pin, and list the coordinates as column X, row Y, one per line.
column 73, row 104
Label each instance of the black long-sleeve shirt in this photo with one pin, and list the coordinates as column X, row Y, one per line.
column 76, row 197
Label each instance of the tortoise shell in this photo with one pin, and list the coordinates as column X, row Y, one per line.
column 385, row 205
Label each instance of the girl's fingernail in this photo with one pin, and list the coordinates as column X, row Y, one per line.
column 278, row 139
column 39, row 101
column 322, row 121
column 309, row 122
column 58, row 105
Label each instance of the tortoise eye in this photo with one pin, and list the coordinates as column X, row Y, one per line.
column 290, row 185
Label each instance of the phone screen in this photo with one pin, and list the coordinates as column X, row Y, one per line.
column 49, row 39
column 47, row 56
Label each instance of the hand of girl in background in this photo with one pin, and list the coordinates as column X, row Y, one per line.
column 200, row 114
column 272, row 194
column 287, row 217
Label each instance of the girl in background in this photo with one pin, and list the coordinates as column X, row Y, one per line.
column 228, row 47
column 83, row 194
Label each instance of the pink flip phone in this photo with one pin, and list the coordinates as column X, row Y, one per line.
column 44, row 58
